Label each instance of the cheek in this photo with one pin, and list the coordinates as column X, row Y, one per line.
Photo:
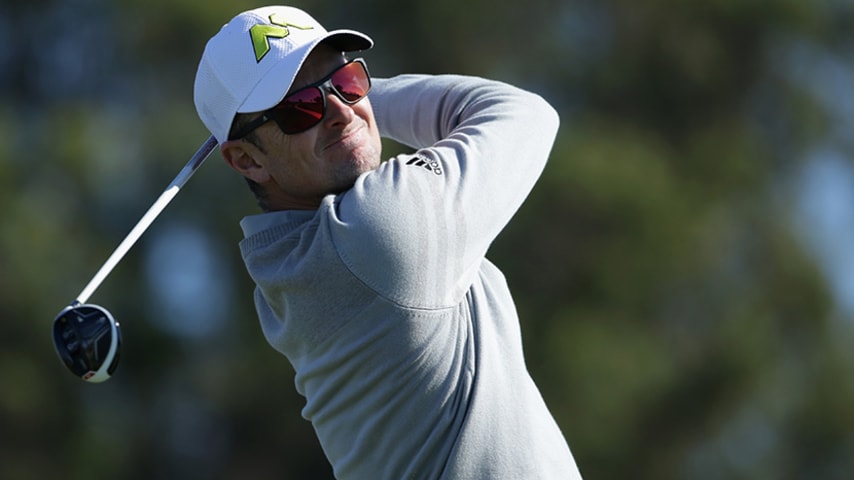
column 290, row 159
column 367, row 114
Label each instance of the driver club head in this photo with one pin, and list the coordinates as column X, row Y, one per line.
column 87, row 339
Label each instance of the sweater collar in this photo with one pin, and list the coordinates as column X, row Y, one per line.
column 253, row 224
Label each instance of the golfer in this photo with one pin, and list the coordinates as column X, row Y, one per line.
column 371, row 276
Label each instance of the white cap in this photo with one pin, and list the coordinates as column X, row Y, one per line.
column 250, row 64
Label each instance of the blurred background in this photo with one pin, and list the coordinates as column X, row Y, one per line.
column 684, row 270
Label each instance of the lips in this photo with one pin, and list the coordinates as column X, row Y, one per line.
column 348, row 139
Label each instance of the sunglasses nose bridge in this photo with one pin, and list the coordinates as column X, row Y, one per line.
column 328, row 88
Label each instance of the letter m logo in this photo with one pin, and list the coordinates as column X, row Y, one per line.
column 262, row 33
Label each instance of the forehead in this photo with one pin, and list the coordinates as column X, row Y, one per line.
column 320, row 63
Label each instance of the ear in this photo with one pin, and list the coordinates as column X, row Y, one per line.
column 244, row 158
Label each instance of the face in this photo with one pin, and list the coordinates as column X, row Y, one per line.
column 297, row 171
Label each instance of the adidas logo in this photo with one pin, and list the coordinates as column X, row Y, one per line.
column 431, row 165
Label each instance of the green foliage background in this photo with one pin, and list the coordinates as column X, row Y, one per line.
column 677, row 314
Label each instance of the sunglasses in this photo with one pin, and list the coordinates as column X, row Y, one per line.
column 306, row 107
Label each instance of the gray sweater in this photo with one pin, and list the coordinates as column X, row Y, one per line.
column 403, row 336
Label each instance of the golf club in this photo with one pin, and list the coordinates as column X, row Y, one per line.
column 86, row 336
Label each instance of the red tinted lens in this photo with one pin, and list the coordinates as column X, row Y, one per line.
column 352, row 82
column 300, row 110
column 304, row 108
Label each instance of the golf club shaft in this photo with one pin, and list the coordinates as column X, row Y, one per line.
column 171, row 190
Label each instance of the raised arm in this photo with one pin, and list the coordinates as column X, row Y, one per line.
column 481, row 145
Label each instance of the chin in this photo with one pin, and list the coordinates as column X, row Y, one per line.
column 360, row 160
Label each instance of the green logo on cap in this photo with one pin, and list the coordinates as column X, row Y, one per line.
column 261, row 33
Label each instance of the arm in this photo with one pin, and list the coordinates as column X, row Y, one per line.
column 490, row 142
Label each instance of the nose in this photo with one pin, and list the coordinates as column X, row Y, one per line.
column 338, row 113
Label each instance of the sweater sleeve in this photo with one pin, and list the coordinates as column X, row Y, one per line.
column 417, row 229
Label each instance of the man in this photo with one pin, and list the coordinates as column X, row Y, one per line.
column 371, row 277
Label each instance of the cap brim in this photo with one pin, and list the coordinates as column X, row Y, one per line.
column 276, row 83
column 348, row 40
